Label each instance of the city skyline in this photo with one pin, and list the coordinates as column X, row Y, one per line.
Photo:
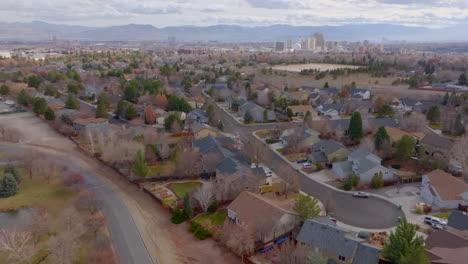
column 99, row 13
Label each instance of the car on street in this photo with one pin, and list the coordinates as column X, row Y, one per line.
column 268, row 172
column 307, row 165
column 361, row 195
column 299, row 161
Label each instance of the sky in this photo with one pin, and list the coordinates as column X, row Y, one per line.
column 160, row 13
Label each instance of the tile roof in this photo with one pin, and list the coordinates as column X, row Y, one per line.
column 447, row 186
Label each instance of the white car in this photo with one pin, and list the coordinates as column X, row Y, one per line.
column 307, row 165
column 361, row 194
column 268, row 173
column 9, row 102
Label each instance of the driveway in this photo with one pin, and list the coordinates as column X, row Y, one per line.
column 372, row 213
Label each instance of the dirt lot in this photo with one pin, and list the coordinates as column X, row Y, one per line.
column 166, row 242
column 313, row 66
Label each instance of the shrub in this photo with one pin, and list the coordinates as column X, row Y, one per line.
column 319, row 166
column 347, row 186
column 419, row 211
column 8, row 186
column 377, row 180
column 213, row 206
column 178, row 216
column 271, row 141
column 198, row 230
column 396, row 166
column 10, row 169
column 73, row 179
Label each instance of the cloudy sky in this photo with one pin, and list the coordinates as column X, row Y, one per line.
column 161, row 13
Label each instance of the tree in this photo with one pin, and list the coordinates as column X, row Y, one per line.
column 74, row 88
column 403, row 242
column 10, row 169
column 121, row 108
column 355, row 126
column 131, row 112
column 290, row 113
column 94, row 223
column 171, row 120
column 8, row 186
column 139, row 166
column 90, row 201
column 325, row 86
column 433, row 114
column 235, row 105
column 462, row 79
column 178, row 216
column 34, row 81
column 307, row 116
column 445, row 99
column 177, row 103
column 101, row 111
column 49, row 114
column 73, row 179
column 248, row 118
column 381, row 136
column 204, row 195
column 104, row 99
column 385, row 111
column 220, row 125
column 351, row 181
column 458, row 128
column 39, row 105
column 188, row 210
column 150, row 115
column 72, row 102
column 377, row 180
column 130, row 93
column 4, row 89
column 405, row 147
column 160, row 101
column 24, row 98
column 15, row 243
column 460, row 155
column 306, row 206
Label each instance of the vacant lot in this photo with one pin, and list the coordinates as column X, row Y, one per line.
column 312, row 66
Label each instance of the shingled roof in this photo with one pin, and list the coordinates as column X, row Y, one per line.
column 447, row 186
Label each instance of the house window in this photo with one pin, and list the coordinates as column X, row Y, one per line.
column 341, row 258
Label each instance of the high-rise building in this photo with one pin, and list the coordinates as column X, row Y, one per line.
column 319, row 41
column 289, row 44
column 279, row 46
column 311, row 43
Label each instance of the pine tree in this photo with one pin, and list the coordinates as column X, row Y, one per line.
column 445, row 99
column 101, row 111
column 188, row 206
column 10, row 169
column 325, row 86
column 433, row 114
column 39, row 105
column 403, row 243
column 462, row 79
column 49, row 114
column 458, row 127
column 307, row 115
column 381, row 136
column 405, row 147
column 131, row 112
column 72, row 102
column 355, row 126
column 220, row 125
column 139, row 166
column 290, row 113
column 8, row 186
column 24, row 98
column 248, row 118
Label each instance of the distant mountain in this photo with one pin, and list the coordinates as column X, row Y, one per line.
column 38, row 31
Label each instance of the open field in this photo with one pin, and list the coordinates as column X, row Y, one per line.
column 313, row 66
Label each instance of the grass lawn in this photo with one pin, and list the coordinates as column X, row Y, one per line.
column 38, row 193
column 213, row 222
column 436, row 126
column 443, row 215
column 156, row 169
column 180, row 189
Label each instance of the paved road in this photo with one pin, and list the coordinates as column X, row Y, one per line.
column 125, row 236
column 372, row 213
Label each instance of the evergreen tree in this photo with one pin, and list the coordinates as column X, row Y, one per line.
column 139, row 166
column 72, row 102
column 405, row 147
column 104, row 99
column 462, row 79
column 458, row 128
column 385, row 111
column 4, row 89
column 121, row 108
column 10, row 169
column 403, row 243
column 49, row 114
column 248, row 118
column 445, row 99
column 130, row 93
column 265, row 116
column 381, row 136
column 169, row 121
column 131, row 112
column 377, row 180
column 220, row 125
column 188, row 206
column 325, row 86
column 306, row 206
column 101, row 111
column 177, row 103
column 39, row 105
column 307, row 115
column 355, row 126
column 290, row 113
column 24, row 98
column 433, row 114
column 8, row 186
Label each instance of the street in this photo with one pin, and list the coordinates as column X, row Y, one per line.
column 371, row 213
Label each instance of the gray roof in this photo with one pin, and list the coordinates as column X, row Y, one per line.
column 386, row 121
column 228, row 166
column 366, row 254
column 327, row 146
column 331, row 91
column 345, row 166
column 209, row 144
column 318, row 157
column 329, row 107
column 439, row 141
column 198, row 113
column 328, row 236
column 364, row 160
column 458, row 220
column 356, row 93
column 408, row 101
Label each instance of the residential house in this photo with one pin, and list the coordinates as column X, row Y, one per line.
column 301, row 110
column 331, row 110
column 443, row 190
column 363, row 107
column 458, row 223
column 444, row 247
column 257, row 112
column 438, row 146
column 200, row 130
column 331, row 92
column 298, row 96
column 309, row 89
column 310, row 136
column 396, row 134
column 84, row 124
column 251, row 211
column 328, row 150
column 337, row 244
column 197, row 116
column 359, row 94
column 236, row 171
column 406, row 104
column 364, row 164
column 314, row 98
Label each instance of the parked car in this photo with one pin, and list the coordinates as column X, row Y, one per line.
column 307, row 165
column 299, row 161
column 361, row 195
column 268, row 172
column 9, row 102
column 432, row 220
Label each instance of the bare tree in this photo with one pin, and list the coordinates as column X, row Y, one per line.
column 290, row 179
column 295, row 142
column 413, row 123
column 255, row 150
column 188, row 162
column 321, row 126
column 62, row 248
column 122, row 153
column 16, row 243
column 89, row 200
column 71, row 221
column 94, row 223
column 288, row 253
column 204, row 195
column 39, row 227
column 238, row 239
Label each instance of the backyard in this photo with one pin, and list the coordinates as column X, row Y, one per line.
column 180, row 189
column 213, row 222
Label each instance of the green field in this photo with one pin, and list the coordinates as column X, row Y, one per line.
column 180, row 189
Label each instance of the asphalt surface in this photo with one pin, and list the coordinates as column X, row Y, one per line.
column 125, row 236
column 370, row 213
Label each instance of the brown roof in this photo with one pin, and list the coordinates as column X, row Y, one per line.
column 448, row 187
column 85, row 121
column 396, row 133
column 443, row 239
column 449, row 255
column 301, row 108
column 250, row 206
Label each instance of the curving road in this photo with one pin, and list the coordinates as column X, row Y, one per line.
column 125, row 235
column 371, row 213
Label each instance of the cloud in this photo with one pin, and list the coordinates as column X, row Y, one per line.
column 269, row 4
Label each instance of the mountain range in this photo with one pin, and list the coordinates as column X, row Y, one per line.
column 40, row 31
